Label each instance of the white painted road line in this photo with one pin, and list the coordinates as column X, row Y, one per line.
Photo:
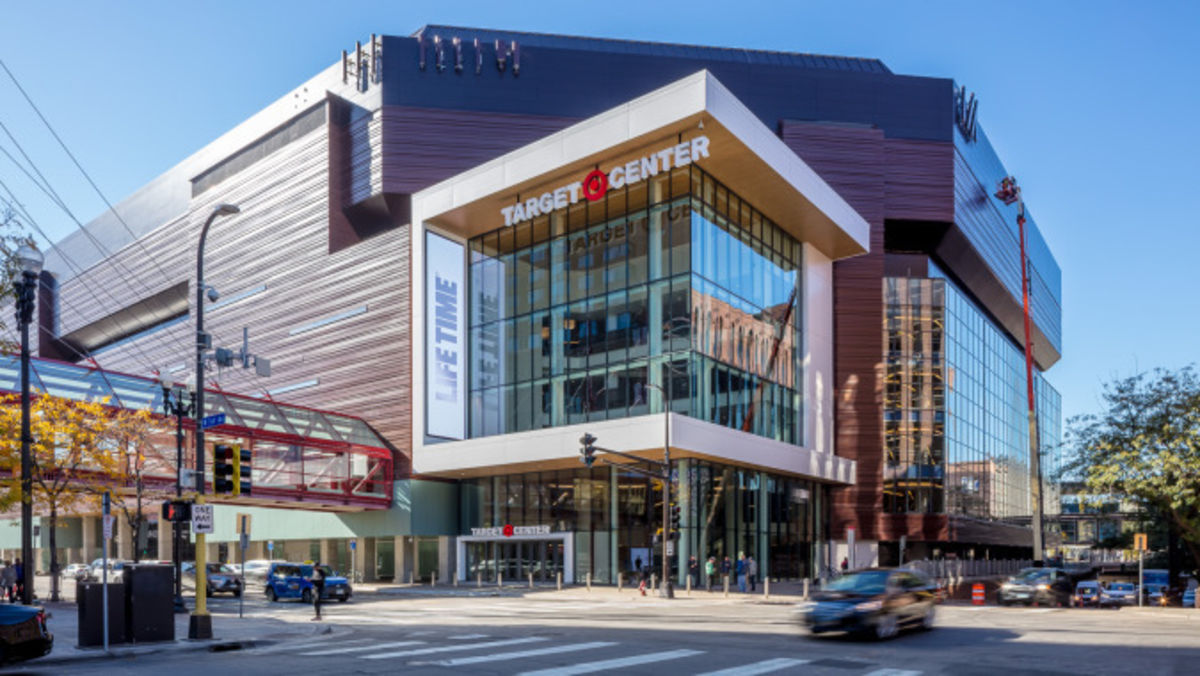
column 605, row 665
column 467, row 637
column 894, row 672
column 451, row 648
column 764, row 667
column 518, row 654
column 357, row 648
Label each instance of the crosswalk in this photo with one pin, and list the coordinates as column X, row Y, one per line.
column 554, row 656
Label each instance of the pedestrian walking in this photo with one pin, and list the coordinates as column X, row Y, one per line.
column 19, row 569
column 845, row 563
column 726, row 568
column 751, row 572
column 741, row 572
column 8, row 580
column 644, row 575
column 318, row 589
column 694, row 571
column 710, row 571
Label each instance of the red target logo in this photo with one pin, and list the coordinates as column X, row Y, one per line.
column 508, row 530
column 595, row 185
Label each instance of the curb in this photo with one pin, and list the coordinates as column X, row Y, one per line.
column 182, row 645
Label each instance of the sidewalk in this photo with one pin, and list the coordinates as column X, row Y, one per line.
column 229, row 633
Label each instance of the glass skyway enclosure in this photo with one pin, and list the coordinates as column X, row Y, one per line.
column 303, row 455
column 672, row 282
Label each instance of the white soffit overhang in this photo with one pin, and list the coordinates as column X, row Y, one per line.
column 744, row 155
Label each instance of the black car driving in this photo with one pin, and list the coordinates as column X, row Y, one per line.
column 877, row 602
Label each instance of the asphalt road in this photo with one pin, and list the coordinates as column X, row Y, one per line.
column 574, row 634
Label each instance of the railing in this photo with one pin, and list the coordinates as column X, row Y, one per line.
column 956, row 570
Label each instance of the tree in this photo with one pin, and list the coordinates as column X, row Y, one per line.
column 71, row 452
column 129, row 434
column 1145, row 445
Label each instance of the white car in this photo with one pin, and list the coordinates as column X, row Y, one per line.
column 256, row 569
column 77, row 571
column 1119, row 594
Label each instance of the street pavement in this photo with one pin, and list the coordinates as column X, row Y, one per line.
column 512, row 631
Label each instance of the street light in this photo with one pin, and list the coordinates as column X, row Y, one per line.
column 200, row 622
column 174, row 404
column 29, row 262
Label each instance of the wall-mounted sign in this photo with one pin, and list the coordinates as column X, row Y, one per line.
column 509, row 530
column 596, row 184
column 445, row 339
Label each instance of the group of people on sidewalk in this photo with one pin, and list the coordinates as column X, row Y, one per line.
column 745, row 569
column 12, row 581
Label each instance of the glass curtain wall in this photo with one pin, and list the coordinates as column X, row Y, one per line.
column 673, row 281
column 956, row 434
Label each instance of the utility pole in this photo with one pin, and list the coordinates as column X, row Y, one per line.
column 174, row 405
column 1010, row 193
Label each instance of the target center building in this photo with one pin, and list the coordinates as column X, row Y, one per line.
column 664, row 264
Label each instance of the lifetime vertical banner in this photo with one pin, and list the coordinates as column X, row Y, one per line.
column 445, row 338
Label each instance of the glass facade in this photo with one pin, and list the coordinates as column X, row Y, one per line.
column 613, row 517
column 956, row 433
column 673, row 282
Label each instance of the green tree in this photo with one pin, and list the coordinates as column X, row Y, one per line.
column 1145, row 444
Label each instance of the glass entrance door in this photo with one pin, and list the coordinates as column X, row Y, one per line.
column 516, row 560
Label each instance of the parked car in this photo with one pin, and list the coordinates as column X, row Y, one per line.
column 76, row 571
column 23, row 633
column 1087, row 593
column 1119, row 594
column 1048, row 586
column 291, row 581
column 878, row 602
column 256, row 570
column 220, row 578
column 115, row 570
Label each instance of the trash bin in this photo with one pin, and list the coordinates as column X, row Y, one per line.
column 90, row 600
column 149, row 602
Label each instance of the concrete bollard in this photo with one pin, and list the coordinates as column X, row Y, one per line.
column 653, row 581
column 806, row 589
column 689, row 585
column 499, row 579
column 726, row 578
column 620, row 582
column 766, row 587
column 411, row 577
column 558, row 580
column 479, row 580
column 433, row 579
column 589, row 581
column 454, row 580
column 531, row 580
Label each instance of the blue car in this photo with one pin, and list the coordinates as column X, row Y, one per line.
column 291, row 581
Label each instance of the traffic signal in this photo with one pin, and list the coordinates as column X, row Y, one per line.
column 587, row 448
column 241, row 470
column 222, row 468
column 676, row 517
column 177, row 511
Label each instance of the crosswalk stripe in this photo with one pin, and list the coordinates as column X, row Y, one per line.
column 764, row 667
column 894, row 672
column 451, row 648
column 518, row 654
column 466, row 637
column 373, row 646
column 604, row 665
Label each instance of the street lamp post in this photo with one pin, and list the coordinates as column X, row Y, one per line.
column 668, row 589
column 200, row 622
column 29, row 261
column 174, row 404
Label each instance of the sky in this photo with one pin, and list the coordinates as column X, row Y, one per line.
column 1092, row 105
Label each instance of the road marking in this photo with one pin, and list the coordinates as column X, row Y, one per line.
column 518, row 654
column 446, row 649
column 605, row 665
column 764, row 667
column 465, row 637
column 894, row 672
column 373, row 646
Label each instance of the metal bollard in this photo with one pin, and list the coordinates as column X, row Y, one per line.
column 454, row 580
column 766, row 587
column 806, row 589
column 433, row 579
column 531, row 580
column 558, row 580
column 620, row 582
column 411, row 577
column 499, row 579
column 479, row 580
column 589, row 581
column 653, row 581
column 689, row 585
column 726, row 578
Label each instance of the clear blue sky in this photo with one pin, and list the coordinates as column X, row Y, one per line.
column 1092, row 105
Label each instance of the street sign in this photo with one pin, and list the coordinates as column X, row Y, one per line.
column 270, row 546
column 353, row 545
column 670, row 548
column 212, row 420
column 245, row 541
column 109, row 520
column 202, row 519
column 1139, row 542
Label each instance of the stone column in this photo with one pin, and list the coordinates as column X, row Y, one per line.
column 88, row 538
column 400, row 552
column 364, row 559
column 124, row 538
column 326, row 550
column 447, row 556
column 164, row 540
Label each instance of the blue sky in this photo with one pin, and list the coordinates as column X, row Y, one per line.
column 1091, row 104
